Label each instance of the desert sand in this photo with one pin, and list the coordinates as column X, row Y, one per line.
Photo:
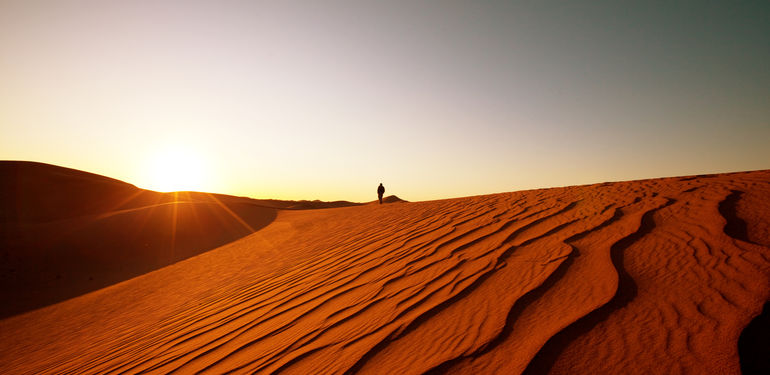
column 66, row 232
column 637, row 277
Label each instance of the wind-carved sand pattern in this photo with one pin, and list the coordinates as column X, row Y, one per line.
column 652, row 276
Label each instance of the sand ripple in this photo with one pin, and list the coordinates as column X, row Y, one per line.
column 652, row 276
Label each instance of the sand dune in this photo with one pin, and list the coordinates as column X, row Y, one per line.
column 67, row 232
column 651, row 276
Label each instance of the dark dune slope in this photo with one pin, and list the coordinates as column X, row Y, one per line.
column 66, row 232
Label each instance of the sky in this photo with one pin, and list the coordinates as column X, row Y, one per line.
column 435, row 99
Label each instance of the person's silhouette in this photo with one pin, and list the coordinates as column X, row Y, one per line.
column 380, row 191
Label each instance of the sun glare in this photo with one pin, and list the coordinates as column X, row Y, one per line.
column 176, row 170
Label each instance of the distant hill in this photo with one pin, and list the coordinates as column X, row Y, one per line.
column 65, row 232
column 304, row 204
column 388, row 199
column 392, row 199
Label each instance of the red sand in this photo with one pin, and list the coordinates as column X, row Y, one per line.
column 651, row 276
column 65, row 232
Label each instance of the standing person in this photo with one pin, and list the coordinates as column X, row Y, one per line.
column 380, row 191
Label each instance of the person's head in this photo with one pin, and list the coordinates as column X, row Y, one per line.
column 380, row 183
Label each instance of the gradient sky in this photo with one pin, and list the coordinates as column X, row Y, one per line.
column 436, row 99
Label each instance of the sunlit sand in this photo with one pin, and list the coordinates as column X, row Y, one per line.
column 648, row 276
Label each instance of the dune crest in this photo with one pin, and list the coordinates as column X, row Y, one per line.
column 65, row 232
column 651, row 276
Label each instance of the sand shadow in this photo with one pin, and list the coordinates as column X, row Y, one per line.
column 626, row 292
column 64, row 233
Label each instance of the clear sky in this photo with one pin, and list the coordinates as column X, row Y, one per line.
column 436, row 99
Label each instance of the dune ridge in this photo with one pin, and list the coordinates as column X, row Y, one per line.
column 65, row 232
column 650, row 276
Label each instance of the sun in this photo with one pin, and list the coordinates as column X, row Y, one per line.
column 176, row 169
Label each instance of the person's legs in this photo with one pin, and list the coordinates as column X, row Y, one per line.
column 380, row 199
